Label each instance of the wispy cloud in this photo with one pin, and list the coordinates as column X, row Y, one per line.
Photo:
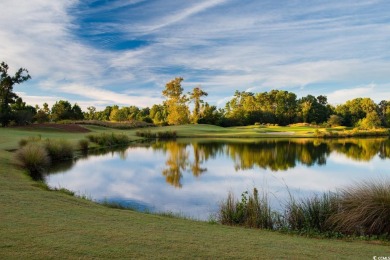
column 125, row 51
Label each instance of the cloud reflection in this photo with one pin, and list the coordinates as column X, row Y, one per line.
column 200, row 174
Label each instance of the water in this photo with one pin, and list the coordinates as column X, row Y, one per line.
column 191, row 177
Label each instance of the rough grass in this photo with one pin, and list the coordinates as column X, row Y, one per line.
column 360, row 210
column 364, row 208
column 34, row 158
column 109, row 140
column 59, row 149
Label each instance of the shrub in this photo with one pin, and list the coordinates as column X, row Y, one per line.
column 59, row 149
column 364, row 209
column 34, row 158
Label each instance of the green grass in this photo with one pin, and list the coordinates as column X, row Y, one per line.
column 39, row 224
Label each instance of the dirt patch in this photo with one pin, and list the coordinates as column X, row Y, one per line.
column 69, row 128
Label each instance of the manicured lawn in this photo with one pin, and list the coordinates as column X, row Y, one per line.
column 40, row 224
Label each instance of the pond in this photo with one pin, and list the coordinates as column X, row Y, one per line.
column 191, row 177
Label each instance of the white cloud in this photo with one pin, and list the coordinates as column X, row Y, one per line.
column 221, row 45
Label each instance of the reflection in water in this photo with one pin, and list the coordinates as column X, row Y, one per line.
column 208, row 168
column 275, row 155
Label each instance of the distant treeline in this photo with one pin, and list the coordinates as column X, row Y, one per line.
column 276, row 107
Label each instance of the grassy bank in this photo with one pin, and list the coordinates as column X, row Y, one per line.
column 36, row 223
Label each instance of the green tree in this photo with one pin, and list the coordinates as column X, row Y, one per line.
column 63, row 110
column 384, row 112
column 91, row 114
column 335, row 120
column 43, row 114
column 7, row 96
column 371, row 121
column 195, row 96
column 77, row 113
column 176, row 103
column 158, row 113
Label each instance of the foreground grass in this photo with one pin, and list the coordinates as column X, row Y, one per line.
column 36, row 223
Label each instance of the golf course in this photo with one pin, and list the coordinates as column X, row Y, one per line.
column 37, row 223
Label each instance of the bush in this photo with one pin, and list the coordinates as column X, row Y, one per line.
column 59, row 149
column 364, row 209
column 34, row 158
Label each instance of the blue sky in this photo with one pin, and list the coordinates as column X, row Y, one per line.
column 101, row 52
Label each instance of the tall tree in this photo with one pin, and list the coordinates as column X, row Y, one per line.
column 176, row 103
column 195, row 96
column 7, row 96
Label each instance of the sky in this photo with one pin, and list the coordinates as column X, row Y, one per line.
column 102, row 52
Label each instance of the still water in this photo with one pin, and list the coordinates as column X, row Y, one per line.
column 191, row 177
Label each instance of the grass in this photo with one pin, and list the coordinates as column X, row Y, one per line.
column 34, row 158
column 364, row 209
column 36, row 223
column 109, row 140
column 359, row 210
column 59, row 149
column 157, row 135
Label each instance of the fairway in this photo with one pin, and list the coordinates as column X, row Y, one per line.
column 36, row 223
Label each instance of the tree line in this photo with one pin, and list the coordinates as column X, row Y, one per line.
column 276, row 107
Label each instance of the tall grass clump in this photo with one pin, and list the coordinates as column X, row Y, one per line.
column 157, row 135
column 59, row 149
column 311, row 214
column 109, row 140
column 31, row 139
column 364, row 209
column 34, row 158
column 84, row 145
column 252, row 211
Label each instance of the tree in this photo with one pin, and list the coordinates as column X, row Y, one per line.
column 7, row 96
column 91, row 114
column 158, row 113
column 63, row 110
column 77, row 113
column 43, row 114
column 335, row 120
column 371, row 121
column 195, row 96
column 178, row 112
column 22, row 114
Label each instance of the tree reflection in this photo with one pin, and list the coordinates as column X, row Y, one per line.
column 199, row 156
column 275, row 155
column 176, row 163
